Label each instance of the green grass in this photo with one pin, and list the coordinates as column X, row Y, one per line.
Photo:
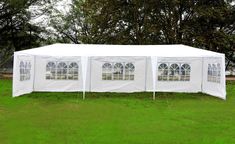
column 106, row 118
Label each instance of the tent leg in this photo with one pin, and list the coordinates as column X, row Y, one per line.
column 154, row 95
column 83, row 96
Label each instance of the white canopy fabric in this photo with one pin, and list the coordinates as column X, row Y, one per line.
column 120, row 50
column 146, row 59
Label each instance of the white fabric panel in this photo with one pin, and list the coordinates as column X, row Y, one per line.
column 25, row 86
column 88, row 74
column 84, row 62
column 154, row 73
column 99, row 85
column 223, row 78
column 214, row 88
column 91, row 58
column 149, row 75
column 120, row 50
column 41, row 84
column 194, row 85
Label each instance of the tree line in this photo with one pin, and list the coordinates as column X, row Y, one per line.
column 207, row 24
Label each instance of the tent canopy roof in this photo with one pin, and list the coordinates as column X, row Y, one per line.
column 119, row 50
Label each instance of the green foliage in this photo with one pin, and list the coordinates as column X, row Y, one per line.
column 116, row 118
column 16, row 30
column 205, row 24
column 71, row 26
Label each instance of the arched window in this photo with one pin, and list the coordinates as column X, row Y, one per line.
column 61, row 71
column 214, row 72
column 25, row 67
column 209, row 73
column 209, row 69
column 118, row 71
column 50, row 71
column 73, row 71
column 27, row 70
column 162, row 72
column 185, row 72
column 29, row 67
column 218, row 73
column 174, row 72
column 129, row 71
column 107, row 71
column 22, row 71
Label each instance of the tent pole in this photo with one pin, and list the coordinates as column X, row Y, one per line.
column 154, row 65
column 84, row 60
column 83, row 96
column 202, row 74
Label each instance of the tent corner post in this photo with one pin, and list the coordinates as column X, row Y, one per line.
column 154, row 95
column 84, row 96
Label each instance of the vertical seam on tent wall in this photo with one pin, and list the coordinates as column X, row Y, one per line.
column 112, row 70
column 146, row 66
column 202, row 74
column 34, row 67
column 156, row 73
column 90, row 59
column 124, row 71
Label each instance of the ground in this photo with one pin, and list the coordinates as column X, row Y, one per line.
column 116, row 118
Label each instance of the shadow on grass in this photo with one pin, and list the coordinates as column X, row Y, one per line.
column 99, row 95
column 61, row 96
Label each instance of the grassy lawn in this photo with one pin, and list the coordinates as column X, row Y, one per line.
column 107, row 118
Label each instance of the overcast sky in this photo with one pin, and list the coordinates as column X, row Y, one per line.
column 63, row 6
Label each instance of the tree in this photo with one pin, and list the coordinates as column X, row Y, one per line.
column 205, row 24
column 16, row 30
column 214, row 27
column 70, row 27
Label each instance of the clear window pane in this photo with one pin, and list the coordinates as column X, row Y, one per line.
column 22, row 68
column 50, row 71
column 62, row 71
column 25, row 67
column 129, row 71
column 73, row 71
column 185, row 72
column 107, row 71
column 163, row 72
column 214, row 73
column 174, row 72
column 118, row 71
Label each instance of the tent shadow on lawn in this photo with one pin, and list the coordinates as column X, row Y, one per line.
column 60, row 96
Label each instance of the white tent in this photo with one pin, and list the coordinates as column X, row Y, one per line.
column 119, row 68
